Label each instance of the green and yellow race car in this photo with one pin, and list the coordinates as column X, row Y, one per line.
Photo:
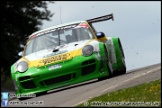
column 67, row 54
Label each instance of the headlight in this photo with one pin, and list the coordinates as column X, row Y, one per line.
column 87, row 50
column 22, row 66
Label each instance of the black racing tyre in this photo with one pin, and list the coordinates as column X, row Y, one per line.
column 23, row 98
column 123, row 71
column 41, row 93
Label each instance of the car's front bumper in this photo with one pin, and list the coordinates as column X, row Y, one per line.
column 73, row 71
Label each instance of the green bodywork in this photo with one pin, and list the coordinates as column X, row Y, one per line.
column 119, row 66
column 78, row 69
column 72, row 71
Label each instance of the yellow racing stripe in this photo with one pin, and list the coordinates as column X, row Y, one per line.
column 56, row 58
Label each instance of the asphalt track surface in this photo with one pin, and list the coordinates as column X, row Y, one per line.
column 73, row 95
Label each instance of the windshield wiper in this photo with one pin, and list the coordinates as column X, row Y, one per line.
column 55, row 49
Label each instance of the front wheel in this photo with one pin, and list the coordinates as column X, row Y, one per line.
column 41, row 93
column 122, row 61
column 109, row 66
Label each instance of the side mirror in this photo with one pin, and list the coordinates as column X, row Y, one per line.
column 20, row 53
column 100, row 34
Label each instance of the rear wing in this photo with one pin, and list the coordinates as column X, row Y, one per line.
column 102, row 18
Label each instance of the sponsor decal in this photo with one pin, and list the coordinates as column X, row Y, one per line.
column 55, row 66
column 55, row 58
column 33, row 36
column 84, row 25
column 55, row 53
column 51, row 30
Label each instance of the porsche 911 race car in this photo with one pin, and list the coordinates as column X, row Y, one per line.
column 67, row 54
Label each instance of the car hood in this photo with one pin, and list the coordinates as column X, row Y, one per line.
column 59, row 53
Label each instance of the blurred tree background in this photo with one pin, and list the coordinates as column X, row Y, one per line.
column 18, row 20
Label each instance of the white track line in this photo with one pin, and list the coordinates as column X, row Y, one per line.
column 122, row 83
column 137, row 76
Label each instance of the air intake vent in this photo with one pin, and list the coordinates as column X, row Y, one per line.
column 59, row 79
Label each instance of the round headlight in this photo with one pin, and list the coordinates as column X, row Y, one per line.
column 22, row 66
column 87, row 50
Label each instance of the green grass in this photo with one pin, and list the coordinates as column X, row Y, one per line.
column 146, row 95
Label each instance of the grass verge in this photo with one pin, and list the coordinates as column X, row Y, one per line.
column 144, row 95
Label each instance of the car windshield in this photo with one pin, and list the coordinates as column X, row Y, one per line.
column 57, row 38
